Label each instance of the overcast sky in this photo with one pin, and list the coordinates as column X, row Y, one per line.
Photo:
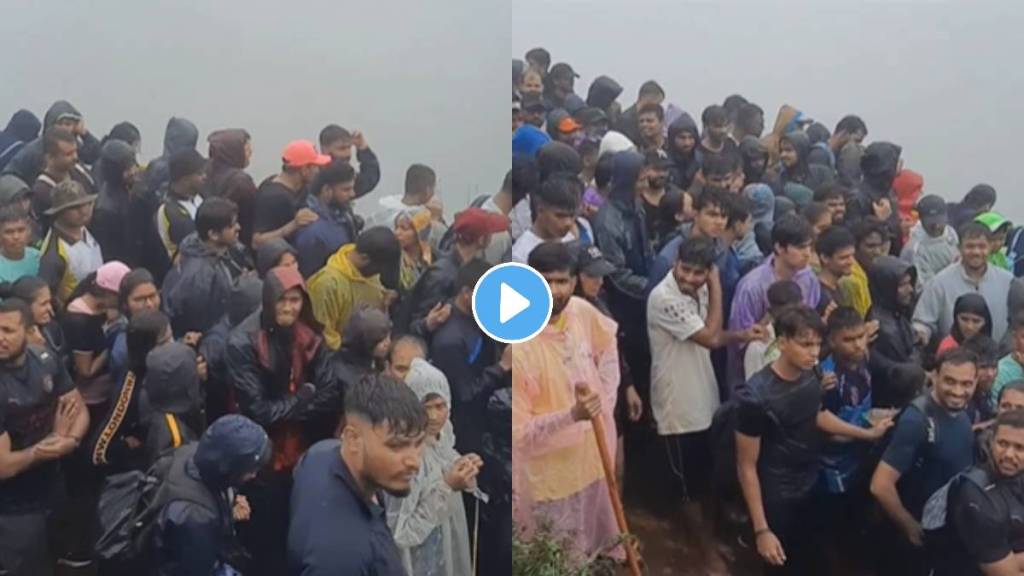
column 942, row 79
column 425, row 81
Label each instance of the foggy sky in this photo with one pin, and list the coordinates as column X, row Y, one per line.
column 942, row 79
column 421, row 79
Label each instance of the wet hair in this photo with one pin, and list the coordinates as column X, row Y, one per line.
column 54, row 135
column 418, row 178
column 16, row 305
column 782, row 294
column 791, row 230
column 906, row 381
column 721, row 164
column 651, row 108
column 539, row 55
column 470, row 273
column 25, row 289
column 522, row 179
column 714, row 115
column 699, row 252
column 862, row 229
column 980, row 196
column 550, row 257
column 383, row 400
column 794, row 320
column 844, row 318
column 746, row 115
column 669, row 207
column 738, row 210
column 604, row 170
column 125, row 132
column 956, row 357
column 851, row 124
column 817, row 133
column 1015, row 385
column 712, row 197
column 12, row 213
column 129, row 283
column 1011, row 419
column 733, row 104
column 814, row 212
column 337, row 172
column 143, row 332
column 214, row 215
column 972, row 230
column 560, row 192
column 834, row 239
column 986, row 349
column 829, row 192
column 333, row 133
column 408, row 340
column 651, row 88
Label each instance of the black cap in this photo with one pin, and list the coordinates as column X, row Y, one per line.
column 591, row 115
column 381, row 247
column 562, row 70
column 533, row 103
column 932, row 210
column 591, row 262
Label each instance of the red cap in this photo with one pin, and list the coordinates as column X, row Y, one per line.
column 568, row 124
column 474, row 223
column 302, row 153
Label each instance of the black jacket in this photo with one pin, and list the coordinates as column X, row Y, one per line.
column 437, row 284
column 180, row 134
column 878, row 165
column 895, row 342
column 196, row 291
column 684, row 167
column 245, row 299
column 22, row 128
column 814, row 176
column 622, row 236
column 28, row 162
column 369, row 172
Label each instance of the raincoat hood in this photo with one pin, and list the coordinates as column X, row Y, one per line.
column 800, row 195
column 752, row 151
column 603, row 92
column 246, row 297
column 23, row 126
column 762, row 203
column 172, row 382
column 802, row 144
column 884, row 280
column 556, row 157
column 193, row 247
column 365, row 329
column 231, row 447
column 527, row 140
column 228, row 147
column 269, row 253
column 180, row 134
column 879, row 163
column 12, row 188
column 971, row 303
column 908, row 187
column 682, row 124
column 626, row 169
column 613, row 142
column 278, row 281
column 59, row 110
column 425, row 380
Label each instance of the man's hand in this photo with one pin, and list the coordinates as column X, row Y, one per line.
column 829, row 381
column 635, row 406
column 241, row 511
column 872, row 329
column 506, row 360
column 462, row 475
column 202, row 368
column 305, row 217
column 438, row 315
column 359, row 140
column 80, row 129
column 879, row 428
column 882, row 209
column 191, row 339
column 829, row 310
column 67, row 412
column 588, row 404
column 755, row 332
column 914, row 533
column 54, row 447
column 390, row 297
column 436, row 207
column 769, row 547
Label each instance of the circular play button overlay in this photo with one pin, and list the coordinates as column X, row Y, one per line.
column 512, row 303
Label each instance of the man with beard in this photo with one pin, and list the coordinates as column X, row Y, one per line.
column 42, row 419
column 27, row 163
column 873, row 197
column 681, row 146
column 338, row 142
column 566, row 376
column 230, row 151
column 931, row 442
column 339, row 484
column 836, row 248
column 716, row 132
column 650, row 118
column 278, row 208
column 933, row 316
column 284, row 381
column 60, row 163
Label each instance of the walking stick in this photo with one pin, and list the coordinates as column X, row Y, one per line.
column 632, row 555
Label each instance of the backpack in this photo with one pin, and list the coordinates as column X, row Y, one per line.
column 448, row 238
column 941, row 538
column 723, row 445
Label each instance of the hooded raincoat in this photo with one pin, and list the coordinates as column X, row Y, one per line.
column 196, row 291
column 879, row 164
column 27, row 164
column 180, row 134
column 430, row 523
column 171, row 403
column 813, row 176
column 22, row 128
column 684, row 166
column 894, row 344
column 338, row 290
column 226, row 176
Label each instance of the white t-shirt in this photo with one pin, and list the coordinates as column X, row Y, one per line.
column 760, row 354
column 527, row 242
column 684, row 391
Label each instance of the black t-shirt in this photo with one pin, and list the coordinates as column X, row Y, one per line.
column 84, row 332
column 28, row 403
column 275, row 205
column 990, row 520
column 784, row 416
column 728, row 147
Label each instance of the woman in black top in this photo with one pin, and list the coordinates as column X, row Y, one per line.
column 35, row 292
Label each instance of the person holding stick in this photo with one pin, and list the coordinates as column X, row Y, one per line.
column 561, row 381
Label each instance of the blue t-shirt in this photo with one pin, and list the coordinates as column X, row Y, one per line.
column 928, row 455
column 12, row 270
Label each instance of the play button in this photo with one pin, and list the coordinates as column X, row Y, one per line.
column 512, row 303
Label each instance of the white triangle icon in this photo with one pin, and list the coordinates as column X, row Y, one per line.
column 510, row 303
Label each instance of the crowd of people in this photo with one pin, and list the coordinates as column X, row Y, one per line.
column 301, row 381
column 799, row 351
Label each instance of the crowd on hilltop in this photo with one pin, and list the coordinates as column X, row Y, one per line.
column 799, row 350
column 204, row 373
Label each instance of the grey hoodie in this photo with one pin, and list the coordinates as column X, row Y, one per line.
column 930, row 255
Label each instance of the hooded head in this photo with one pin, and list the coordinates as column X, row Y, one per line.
column 246, row 296
column 556, row 157
column 603, row 92
column 626, row 168
column 12, row 189
column 429, row 383
column 783, row 207
column 800, row 195
column 908, row 187
column 527, row 140
column 754, row 157
column 884, row 278
column 61, row 110
column 981, row 198
column 880, row 163
column 180, row 134
column 277, row 283
column 268, row 255
column 762, row 203
column 125, row 132
column 227, row 147
column 23, row 126
column 366, row 329
column 614, row 142
column 683, row 124
column 974, row 304
column 801, row 145
column 172, row 382
column 117, row 158
column 232, row 448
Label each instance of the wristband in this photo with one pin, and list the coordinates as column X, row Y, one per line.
column 761, row 531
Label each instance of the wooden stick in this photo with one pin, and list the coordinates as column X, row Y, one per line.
column 632, row 556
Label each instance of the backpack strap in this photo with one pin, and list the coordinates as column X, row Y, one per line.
column 923, row 405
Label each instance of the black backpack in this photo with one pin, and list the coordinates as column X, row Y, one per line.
column 722, row 434
column 941, row 538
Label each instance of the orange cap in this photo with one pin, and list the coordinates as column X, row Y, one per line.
column 302, row 153
column 568, row 124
